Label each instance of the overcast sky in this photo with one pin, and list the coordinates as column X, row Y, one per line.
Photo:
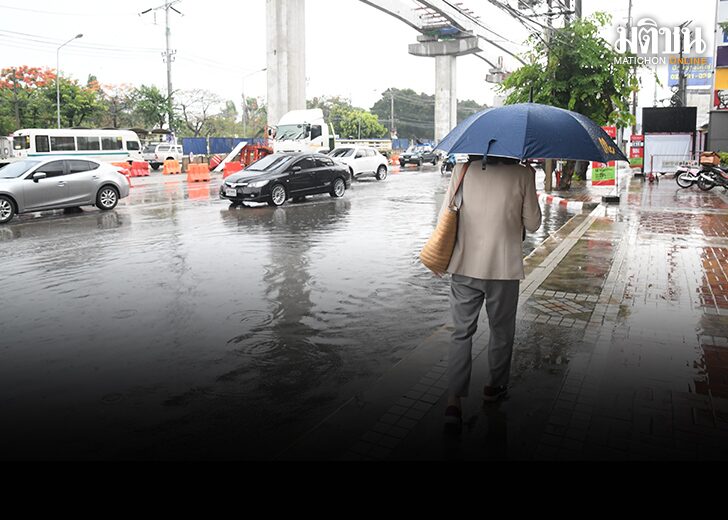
column 353, row 50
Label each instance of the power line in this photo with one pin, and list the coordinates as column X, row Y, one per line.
column 57, row 13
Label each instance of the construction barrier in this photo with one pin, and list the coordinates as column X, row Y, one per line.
column 198, row 173
column 139, row 169
column 230, row 168
column 394, row 159
column 171, row 167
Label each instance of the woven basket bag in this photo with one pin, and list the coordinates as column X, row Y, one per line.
column 438, row 250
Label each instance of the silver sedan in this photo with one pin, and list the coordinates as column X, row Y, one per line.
column 38, row 184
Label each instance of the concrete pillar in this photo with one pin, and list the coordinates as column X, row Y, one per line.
column 286, row 57
column 445, row 53
column 446, row 101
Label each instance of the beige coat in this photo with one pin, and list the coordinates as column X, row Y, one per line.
column 496, row 205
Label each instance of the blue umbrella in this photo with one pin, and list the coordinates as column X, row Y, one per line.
column 532, row 131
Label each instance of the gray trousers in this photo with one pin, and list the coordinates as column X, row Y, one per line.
column 501, row 302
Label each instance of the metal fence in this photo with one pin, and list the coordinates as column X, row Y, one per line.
column 669, row 163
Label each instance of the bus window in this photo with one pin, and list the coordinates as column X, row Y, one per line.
column 111, row 143
column 21, row 143
column 63, row 144
column 41, row 144
column 133, row 146
column 88, row 143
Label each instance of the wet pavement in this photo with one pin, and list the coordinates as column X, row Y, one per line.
column 179, row 327
column 621, row 351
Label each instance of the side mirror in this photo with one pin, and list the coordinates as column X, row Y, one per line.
column 296, row 169
column 38, row 176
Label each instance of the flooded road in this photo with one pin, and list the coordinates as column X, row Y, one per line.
column 179, row 327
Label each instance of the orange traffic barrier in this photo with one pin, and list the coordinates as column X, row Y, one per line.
column 394, row 159
column 139, row 169
column 171, row 167
column 230, row 168
column 198, row 173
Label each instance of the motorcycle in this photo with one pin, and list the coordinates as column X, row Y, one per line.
column 712, row 176
column 686, row 176
column 447, row 165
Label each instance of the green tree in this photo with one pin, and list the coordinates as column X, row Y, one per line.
column 80, row 105
column 348, row 121
column 578, row 70
column 256, row 118
column 20, row 90
column 360, row 124
column 150, row 106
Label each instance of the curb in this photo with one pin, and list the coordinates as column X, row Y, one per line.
column 568, row 204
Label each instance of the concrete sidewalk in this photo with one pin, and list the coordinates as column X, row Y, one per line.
column 621, row 351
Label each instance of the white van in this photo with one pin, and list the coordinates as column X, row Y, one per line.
column 156, row 153
column 99, row 145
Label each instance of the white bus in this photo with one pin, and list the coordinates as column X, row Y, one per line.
column 101, row 145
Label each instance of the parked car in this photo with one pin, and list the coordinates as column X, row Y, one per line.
column 156, row 153
column 418, row 155
column 281, row 176
column 362, row 161
column 59, row 182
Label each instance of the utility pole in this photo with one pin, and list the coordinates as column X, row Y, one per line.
column 391, row 114
column 549, row 166
column 168, row 54
column 15, row 98
column 682, row 82
column 634, row 71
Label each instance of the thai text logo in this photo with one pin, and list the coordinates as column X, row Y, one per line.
column 647, row 38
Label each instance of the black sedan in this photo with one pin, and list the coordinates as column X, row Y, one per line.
column 276, row 178
column 418, row 155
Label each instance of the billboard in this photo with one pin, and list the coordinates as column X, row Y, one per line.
column 697, row 74
column 604, row 174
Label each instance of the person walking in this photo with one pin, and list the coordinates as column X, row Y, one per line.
column 498, row 203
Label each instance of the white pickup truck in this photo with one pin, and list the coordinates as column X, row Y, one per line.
column 156, row 153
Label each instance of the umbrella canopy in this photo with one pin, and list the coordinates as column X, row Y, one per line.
column 532, row 131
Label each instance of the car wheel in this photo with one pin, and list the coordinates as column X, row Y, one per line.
column 338, row 189
column 277, row 195
column 434, row 161
column 382, row 173
column 107, row 199
column 155, row 166
column 418, row 163
column 7, row 210
column 402, row 164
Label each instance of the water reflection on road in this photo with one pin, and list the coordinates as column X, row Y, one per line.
column 177, row 326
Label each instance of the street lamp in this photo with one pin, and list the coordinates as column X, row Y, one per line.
column 58, row 76
column 245, row 102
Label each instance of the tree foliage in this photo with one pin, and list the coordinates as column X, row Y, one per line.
column 349, row 121
column 578, row 70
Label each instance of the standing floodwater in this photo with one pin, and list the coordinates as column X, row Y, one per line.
column 177, row 326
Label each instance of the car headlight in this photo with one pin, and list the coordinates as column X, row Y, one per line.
column 258, row 184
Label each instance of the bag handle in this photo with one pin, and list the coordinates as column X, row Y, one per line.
column 460, row 183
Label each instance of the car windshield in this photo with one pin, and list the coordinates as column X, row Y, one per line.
column 16, row 169
column 150, row 148
column 270, row 162
column 342, row 152
column 292, row 132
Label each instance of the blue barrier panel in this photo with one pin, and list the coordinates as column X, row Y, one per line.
column 195, row 145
